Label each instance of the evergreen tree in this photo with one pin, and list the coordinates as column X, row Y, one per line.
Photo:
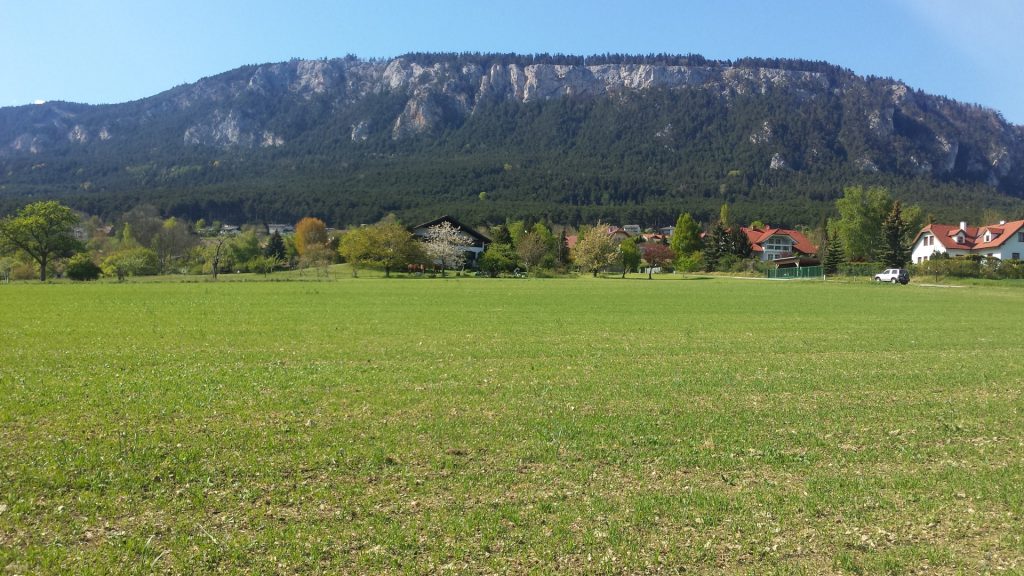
column 739, row 244
column 895, row 251
column 716, row 245
column 275, row 247
column 834, row 255
column 562, row 250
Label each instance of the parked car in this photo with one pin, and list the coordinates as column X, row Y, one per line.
column 893, row 275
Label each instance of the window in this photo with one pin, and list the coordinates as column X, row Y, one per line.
column 1020, row 237
column 1016, row 256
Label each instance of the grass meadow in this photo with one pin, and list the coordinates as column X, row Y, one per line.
column 511, row 426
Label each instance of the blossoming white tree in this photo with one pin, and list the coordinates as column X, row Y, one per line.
column 445, row 245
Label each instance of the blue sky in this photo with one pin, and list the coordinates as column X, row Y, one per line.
column 104, row 51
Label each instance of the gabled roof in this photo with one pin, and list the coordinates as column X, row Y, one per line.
column 973, row 235
column 759, row 236
column 947, row 234
column 1006, row 231
column 477, row 236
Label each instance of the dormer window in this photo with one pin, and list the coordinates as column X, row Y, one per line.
column 988, row 236
column 959, row 238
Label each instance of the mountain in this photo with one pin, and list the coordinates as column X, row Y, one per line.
column 618, row 137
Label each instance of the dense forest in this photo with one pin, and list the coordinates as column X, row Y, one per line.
column 778, row 154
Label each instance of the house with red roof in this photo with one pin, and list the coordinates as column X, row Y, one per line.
column 773, row 243
column 1004, row 240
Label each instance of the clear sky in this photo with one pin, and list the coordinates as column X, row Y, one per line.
column 105, row 51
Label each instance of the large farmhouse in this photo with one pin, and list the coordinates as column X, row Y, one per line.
column 1004, row 241
column 477, row 241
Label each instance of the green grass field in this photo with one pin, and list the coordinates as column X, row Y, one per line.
column 511, row 426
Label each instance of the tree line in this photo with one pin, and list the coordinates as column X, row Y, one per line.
column 869, row 228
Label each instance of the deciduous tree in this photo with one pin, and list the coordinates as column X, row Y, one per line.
column 392, row 246
column 859, row 226
column 309, row 232
column 43, row 230
column 445, row 244
column 657, row 255
column 594, row 250
column 629, row 254
column 686, row 237
column 355, row 248
column 531, row 249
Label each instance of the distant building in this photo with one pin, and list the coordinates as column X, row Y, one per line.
column 477, row 241
column 632, row 229
column 281, row 229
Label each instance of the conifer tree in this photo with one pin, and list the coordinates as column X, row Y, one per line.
column 895, row 252
column 275, row 247
column 834, row 253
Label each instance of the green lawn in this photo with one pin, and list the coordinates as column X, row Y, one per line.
column 495, row 426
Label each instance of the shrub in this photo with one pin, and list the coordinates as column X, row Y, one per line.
column 25, row 271
column 868, row 269
column 693, row 262
column 81, row 267
column 131, row 262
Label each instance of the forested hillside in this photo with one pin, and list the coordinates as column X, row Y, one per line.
column 489, row 137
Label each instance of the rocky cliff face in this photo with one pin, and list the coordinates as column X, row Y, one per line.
column 270, row 105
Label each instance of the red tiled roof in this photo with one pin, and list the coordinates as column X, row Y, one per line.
column 973, row 235
column 947, row 236
column 1006, row 231
column 757, row 237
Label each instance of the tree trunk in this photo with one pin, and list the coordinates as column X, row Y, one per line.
column 42, row 269
column 649, row 268
column 595, row 272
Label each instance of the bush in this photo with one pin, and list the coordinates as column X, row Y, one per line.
column 970, row 267
column 691, row 263
column 131, row 262
column 25, row 271
column 81, row 267
column 726, row 262
column 868, row 269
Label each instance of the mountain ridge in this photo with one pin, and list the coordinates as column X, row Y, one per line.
column 774, row 122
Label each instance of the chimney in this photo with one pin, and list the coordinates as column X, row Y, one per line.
column 1002, row 222
column 963, row 225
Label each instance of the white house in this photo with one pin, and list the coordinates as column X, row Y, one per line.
column 1004, row 240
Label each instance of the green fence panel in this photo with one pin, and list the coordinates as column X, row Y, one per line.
column 794, row 273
